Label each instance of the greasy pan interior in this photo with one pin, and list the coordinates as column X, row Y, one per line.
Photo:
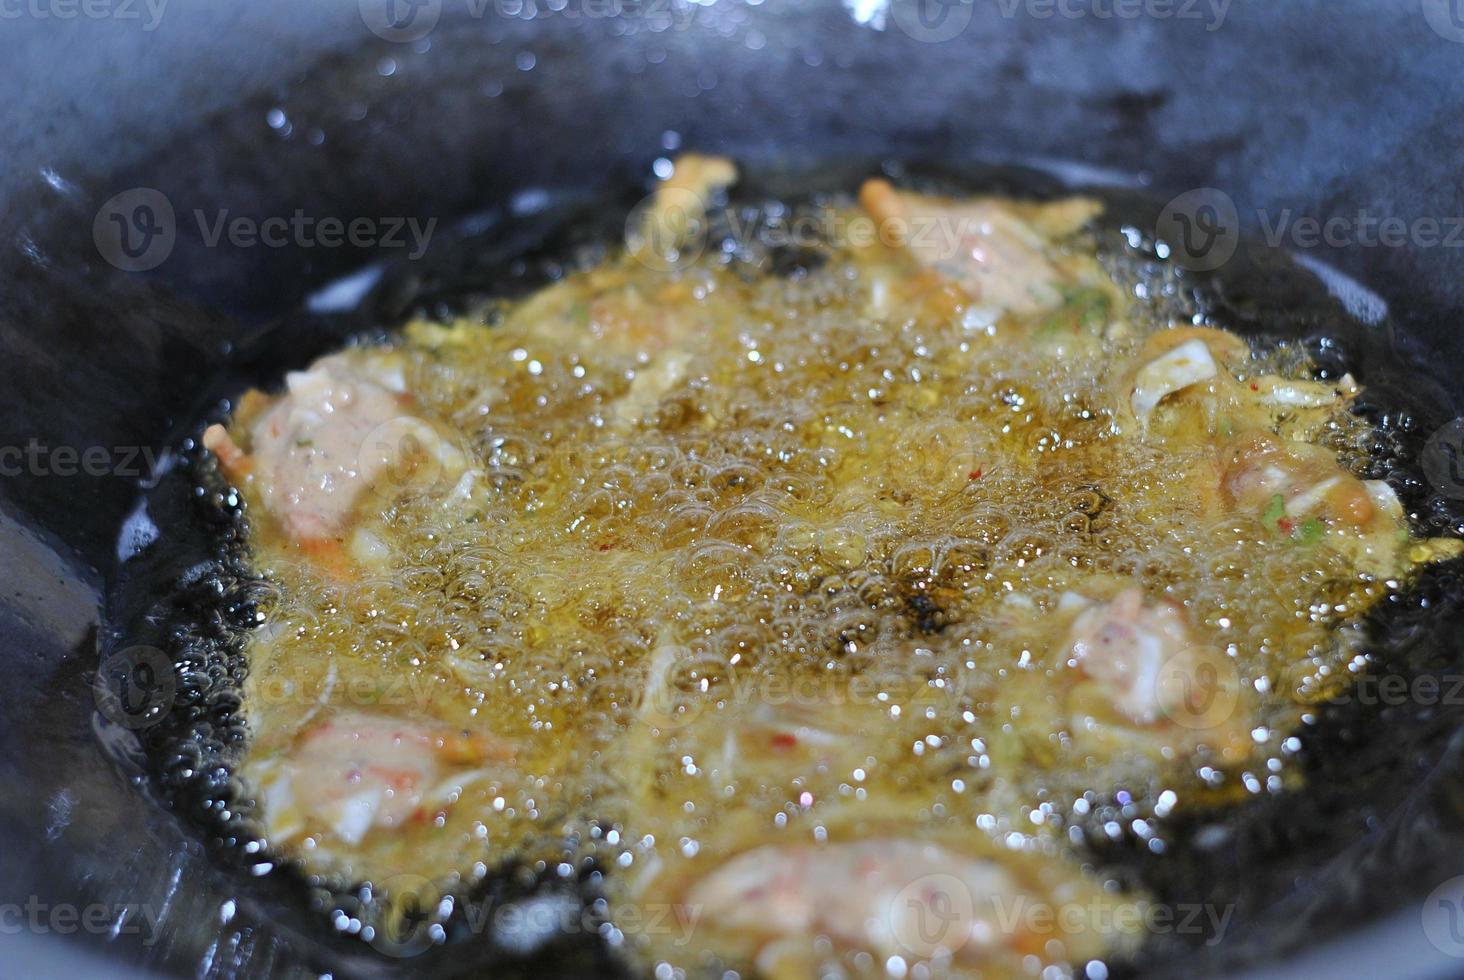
column 1322, row 109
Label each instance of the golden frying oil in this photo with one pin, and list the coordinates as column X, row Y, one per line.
column 751, row 558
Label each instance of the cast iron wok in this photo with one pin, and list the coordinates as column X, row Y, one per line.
column 1319, row 108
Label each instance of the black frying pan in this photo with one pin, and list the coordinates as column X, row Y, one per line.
column 497, row 123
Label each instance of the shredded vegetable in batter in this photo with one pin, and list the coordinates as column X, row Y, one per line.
column 811, row 607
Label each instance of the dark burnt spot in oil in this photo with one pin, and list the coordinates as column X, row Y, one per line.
column 1379, row 814
column 795, row 261
column 928, row 616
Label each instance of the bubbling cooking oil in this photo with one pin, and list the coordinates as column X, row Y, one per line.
column 742, row 559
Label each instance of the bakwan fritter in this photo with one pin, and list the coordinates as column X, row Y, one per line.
column 814, row 608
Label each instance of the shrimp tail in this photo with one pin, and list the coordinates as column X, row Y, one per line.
column 235, row 462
